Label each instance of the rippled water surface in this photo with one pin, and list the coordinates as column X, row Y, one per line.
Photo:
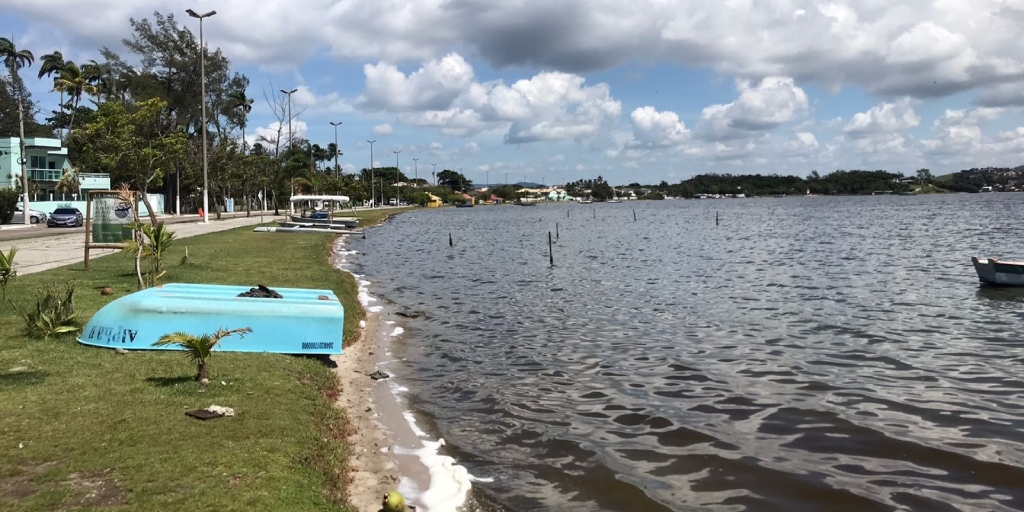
column 806, row 354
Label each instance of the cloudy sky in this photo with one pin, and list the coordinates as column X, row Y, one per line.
column 639, row 90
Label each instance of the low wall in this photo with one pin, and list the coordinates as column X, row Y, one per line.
column 49, row 206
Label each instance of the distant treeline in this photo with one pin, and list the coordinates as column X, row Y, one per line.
column 971, row 180
column 836, row 183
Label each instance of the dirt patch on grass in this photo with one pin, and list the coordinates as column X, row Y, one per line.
column 18, row 487
column 95, row 490
column 90, row 489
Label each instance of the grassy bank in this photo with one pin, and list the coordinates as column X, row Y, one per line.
column 85, row 427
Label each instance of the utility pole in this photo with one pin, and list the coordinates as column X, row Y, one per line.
column 434, row 174
column 506, row 179
column 23, row 160
column 416, row 167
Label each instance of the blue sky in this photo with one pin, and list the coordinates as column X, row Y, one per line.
column 644, row 91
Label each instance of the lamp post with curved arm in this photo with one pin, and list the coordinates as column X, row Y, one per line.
column 202, row 88
column 373, row 197
column 337, row 170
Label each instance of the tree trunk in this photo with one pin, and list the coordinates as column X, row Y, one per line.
column 137, row 235
column 149, row 207
column 202, row 370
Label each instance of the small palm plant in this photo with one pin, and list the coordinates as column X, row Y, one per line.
column 199, row 348
column 54, row 314
column 7, row 272
column 160, row 239
column 157, row 240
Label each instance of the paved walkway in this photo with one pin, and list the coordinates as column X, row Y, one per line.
column 44, row 253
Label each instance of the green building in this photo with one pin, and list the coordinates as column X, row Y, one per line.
column 47, row 162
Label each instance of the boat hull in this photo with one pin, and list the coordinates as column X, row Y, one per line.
column 334, row 223
column 1002, row 273
column 300, row 229
column 304, row 321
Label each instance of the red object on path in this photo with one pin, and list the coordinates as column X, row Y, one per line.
column 201, row 215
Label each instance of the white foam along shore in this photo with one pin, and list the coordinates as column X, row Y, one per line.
column 449, row 483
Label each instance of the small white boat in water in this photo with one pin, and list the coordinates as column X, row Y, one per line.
column 1004, row 273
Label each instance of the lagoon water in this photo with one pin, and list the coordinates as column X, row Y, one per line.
column 806, row 354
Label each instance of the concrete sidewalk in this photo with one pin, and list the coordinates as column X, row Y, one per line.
column 43, row 253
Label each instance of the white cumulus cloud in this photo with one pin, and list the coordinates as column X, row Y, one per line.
column 652, row 128
column 760, row 107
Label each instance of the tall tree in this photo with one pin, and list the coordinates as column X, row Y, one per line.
column 136, row 144
column 454, row 180
column 72, row 82
column 240, row 101
column 51, row 65
column 14, row 60
column 170, row 70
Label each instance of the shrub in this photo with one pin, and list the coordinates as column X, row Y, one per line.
column 54, row 313
column 8, row 202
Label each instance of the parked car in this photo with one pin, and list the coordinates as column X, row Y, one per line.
column 70, row 217
column 35, row 216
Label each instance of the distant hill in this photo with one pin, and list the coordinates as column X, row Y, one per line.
column 529, row 184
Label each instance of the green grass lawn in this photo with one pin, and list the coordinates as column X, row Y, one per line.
column 85, row 428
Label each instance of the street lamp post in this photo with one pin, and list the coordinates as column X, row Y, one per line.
column 416, row 168
column 373, row 197
column 202, row 87
column 337, row 170
column 291, row 180
column 398, row 171
column 488, row 174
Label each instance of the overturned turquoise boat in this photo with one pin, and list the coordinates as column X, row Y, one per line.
column 303, row 321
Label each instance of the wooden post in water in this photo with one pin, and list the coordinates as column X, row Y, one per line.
column 595, row 212
column 716, row 218
column 556, row 231
column 451, row 243
column 567, row 213
column 551, row 255
column 634, row 214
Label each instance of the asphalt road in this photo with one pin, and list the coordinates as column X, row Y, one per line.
column 41, row 248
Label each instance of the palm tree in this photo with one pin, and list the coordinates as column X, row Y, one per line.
column 198, row 348
column 16, row 59
column 73, row 82
column 49, row 65
column 240, row 101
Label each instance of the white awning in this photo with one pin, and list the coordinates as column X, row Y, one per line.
column 299, row 199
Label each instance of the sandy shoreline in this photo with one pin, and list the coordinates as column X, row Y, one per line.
column 383, row 441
